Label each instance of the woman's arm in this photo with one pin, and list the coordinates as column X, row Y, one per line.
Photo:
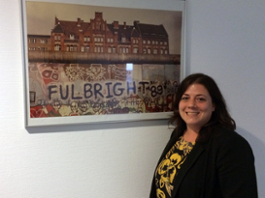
column 236, row 171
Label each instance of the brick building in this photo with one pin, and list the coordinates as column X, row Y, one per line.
column 39, row 42
column 97, row 36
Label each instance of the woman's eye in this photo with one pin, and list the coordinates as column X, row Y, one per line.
column 184, row 98
column 201, row 99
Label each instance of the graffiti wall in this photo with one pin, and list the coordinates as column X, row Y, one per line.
column 94, row 89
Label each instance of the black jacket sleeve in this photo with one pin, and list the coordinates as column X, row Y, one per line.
column 235, row 166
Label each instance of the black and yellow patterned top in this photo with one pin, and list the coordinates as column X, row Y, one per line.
column 168, row 169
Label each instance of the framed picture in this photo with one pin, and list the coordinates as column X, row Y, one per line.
column 97, row 62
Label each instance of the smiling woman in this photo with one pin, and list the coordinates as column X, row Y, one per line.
column 195, row 108
column 204, row 157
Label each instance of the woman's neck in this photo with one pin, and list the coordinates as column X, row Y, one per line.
column 190, row 135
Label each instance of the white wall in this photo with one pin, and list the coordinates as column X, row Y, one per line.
column 225, row 40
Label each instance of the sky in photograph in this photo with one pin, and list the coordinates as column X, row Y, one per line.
column 40, row 18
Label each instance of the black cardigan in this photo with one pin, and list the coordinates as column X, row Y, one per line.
column 220, row 167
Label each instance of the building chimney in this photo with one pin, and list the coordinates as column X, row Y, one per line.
column 116, row 24
column 98, row 15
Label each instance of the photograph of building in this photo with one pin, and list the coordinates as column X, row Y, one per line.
column 85, row 65
column 97, row 36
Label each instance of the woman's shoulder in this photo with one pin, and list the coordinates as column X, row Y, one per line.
column 226, row 134
column 229, row 139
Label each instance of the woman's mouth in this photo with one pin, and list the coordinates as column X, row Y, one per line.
column 192, row 113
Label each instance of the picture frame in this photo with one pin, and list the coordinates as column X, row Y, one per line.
column 133, row 61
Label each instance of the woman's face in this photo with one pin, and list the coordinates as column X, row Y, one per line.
column 196, row 107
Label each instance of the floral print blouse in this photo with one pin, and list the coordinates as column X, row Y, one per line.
column 168, row 168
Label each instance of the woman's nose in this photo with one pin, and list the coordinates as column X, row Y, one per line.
column 192, row 103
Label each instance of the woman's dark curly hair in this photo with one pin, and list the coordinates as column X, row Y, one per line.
column 220, row 117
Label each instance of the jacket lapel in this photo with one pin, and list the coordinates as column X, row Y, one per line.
column 193, row 156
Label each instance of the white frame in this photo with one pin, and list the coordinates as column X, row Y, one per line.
column 170, row 5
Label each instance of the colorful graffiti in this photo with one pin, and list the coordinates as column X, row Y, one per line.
column 96, row 89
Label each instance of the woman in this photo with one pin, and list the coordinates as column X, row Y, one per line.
column 205, row 157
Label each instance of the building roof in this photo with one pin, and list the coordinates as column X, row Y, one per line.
column 39, row 36
column 58, row 29
column 135, row 33
column 121, row 30
column 70, row 27
column 152, row 31
column 136, row 30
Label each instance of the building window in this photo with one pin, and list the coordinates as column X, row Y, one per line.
column 87, row 39
column 109, row 49
column 87, row 48
column 155, row 51
column 82, row 48
column 124, row 50
column 144, row 51
column 161, row 51
column 43, row 41
column 110, row 40
column 123, row 39
column 114, row 49
column 98, row 25
column 165, row 43
column 57, row 47
column 148, row 51
column 144, row 41
column 57, row 37
column 98, row 40
column 135, row 50
column 32, row 40
column 98, row 49
column 148, row 41
column 135, row 41
column 72, row 37
column 166, row 52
